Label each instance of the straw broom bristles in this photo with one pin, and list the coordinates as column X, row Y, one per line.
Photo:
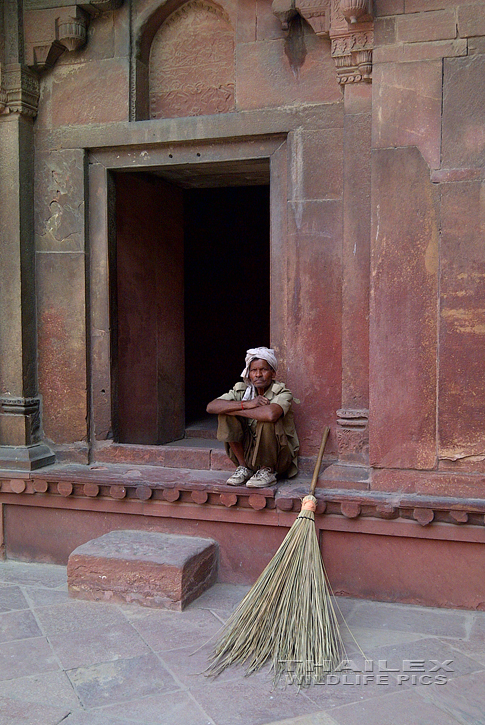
column 287, row 617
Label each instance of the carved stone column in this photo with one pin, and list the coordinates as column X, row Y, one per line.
column 352, row 38
column 21, row 444
column 348, row 24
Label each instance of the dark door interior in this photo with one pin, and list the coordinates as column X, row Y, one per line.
column 191, row 291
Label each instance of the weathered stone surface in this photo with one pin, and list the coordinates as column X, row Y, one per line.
column 246, row 22
column 412, row 52
column 314, row 303
column 100, row 42
column 463, row 142
column 369, row 571
column 388, row 7
column 59, row 201
column 152, row 569
column 170, row 456
column 471, row 20
column 462, row 326
column 62, row 344
column 268, row 27
column 423, row 516
column 403, row 321
column 190, row 75
column 316, row 165
column 407, row 107
column 265, row 77
column 65, row 488
column 417, row 6
column 384, row 31
column 103, row 86
column 431, row 25
column 356, row 257
column 476, row 45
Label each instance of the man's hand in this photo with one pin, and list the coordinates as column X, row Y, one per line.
column 256, row 402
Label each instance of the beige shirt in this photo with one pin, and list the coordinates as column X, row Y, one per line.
column 276, row 393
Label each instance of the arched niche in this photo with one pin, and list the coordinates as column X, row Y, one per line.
column 190, row 59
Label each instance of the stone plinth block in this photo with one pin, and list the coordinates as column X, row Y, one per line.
column 152, row 569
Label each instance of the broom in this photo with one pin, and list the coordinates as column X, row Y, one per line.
column 287, row 616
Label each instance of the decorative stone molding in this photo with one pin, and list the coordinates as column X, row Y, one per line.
column 188, row 74
column 104, row 6
column 352, row 38
column 315, row 12
column 51, row 32
column 347, row 23
column 353, row 435
column 28, row 409
column 72, row 32
column 354, row 10
column 63, row 487
column 20, row 90
column 317, row 15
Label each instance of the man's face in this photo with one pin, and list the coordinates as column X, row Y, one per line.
column 261, row 375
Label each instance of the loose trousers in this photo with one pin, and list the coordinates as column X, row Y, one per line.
column 265, row 445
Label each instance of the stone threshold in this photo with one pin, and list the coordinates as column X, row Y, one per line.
column 151, row 484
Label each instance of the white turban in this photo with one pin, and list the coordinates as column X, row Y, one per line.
column 257, row 353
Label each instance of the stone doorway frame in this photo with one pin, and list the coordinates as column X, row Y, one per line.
column 240, row 156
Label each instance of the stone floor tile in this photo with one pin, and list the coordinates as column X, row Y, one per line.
column 77, row 616
column 51, row 688
column 14, row 712
column 426, row 649
column 45, row 597
column 221, row 597
column 463, row 698
column 345, row 688
column 409, row 618
column 18, row 625
column 250, row 701
column 473, row 648
column 26, row 657
column 176, row 708
column 82, row 717
column 42, row 575
column 101, row 644
column 344, row 606
column 121, row 680
column 188, row 665
column 11, row 598
column 368, row 638
column 399, row 708
column 316, row 718
column 164, row 631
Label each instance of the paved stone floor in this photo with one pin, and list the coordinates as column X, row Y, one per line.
column 83, row 663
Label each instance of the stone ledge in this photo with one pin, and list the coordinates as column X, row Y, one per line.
column 152, row 569
column 152, row 485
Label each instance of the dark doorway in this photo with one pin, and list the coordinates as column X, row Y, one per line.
column 226, row 287
column 190, row 292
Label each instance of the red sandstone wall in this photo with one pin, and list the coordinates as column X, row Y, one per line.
column 427, row 284
column 91, row 86
column 427, row 261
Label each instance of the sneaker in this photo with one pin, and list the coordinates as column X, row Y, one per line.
column 262, row 478
column 239, row 477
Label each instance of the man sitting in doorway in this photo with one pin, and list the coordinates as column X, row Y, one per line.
column 256, row 423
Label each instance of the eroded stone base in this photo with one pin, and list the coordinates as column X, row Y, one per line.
column 152, row 569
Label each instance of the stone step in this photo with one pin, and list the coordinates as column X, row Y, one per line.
column 199, row 454
column 152, row 569
column 205, row 428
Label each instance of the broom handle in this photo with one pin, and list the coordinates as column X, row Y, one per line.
column 313, row 484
